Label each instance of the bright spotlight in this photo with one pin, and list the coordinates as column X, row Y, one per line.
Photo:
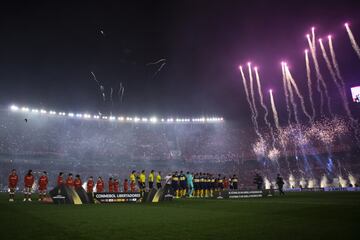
column 24, row 109
column 306, row 51
column 136, row 119
column 249, row 63
column 34, row 110
column 121, row 118
column 240, row 67
column 153, row 120
column 329, row 36
column 270, row 90
column 307, row 35
column 42, row 111
column 320, row 40
column 71, row 115
column 346, row 24
column 14, row 108
column 79, row 115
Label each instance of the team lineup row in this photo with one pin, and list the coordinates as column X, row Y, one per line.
column 189, row 184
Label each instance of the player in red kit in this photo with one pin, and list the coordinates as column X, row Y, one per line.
column 116, row 185
column 126, row 186
column 13, row 180
column 77, row 182
column 60, row 179
column 99, row 185
column 111, row 185
column 28, row 182
column 90, row 185
column 70, row 180
column 43, row 182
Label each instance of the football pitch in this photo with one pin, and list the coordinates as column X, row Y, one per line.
column 322, row 215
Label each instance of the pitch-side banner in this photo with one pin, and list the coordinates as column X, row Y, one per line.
column 235, row 194
column 117, row 197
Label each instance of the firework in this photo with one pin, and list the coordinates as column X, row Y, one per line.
column 283, row 64
column 352, row 179
column 256, row 113
column 302, row 101
column 260, row 147
column 273, row 107
column 264, row 106
column 324, row 181
column 342, row 181
column 274, row 154
column 319, row 78
column 256, row 128
column 352, row 40
column 309, row 84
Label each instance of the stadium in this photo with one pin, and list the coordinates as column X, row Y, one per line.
column 159, row 120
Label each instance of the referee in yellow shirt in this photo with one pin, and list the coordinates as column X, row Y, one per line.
column 158, row 180
column 142, row 181
column 151, row 180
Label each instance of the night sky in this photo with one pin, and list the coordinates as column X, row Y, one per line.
column 48, row 50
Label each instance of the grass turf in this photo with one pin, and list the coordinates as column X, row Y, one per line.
column 323, row 215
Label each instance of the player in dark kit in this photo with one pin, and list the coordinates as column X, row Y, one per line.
column 28, row 182
column 280, row 183
column 196, row 185
column 182, row 179
column 234, row 182
column 43, row 182
column 13, row 181
column 175, row 184
column 258, row 180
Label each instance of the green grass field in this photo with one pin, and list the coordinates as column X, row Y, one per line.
column 323, row 215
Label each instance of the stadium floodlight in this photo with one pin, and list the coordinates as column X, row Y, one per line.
column 136, row 119
column 121, row 119
column 70, row 114
column 163, row 120
column 111, row 118
column 24, row 109
column 87, row 116
column 34, row 110
column 96, row 117
column 170, row 120
column 129, row 119
column 14, row 108
column 144, row 119
column 42, row 111
column 153, row 120
column 104, row 117
column 79, row 115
